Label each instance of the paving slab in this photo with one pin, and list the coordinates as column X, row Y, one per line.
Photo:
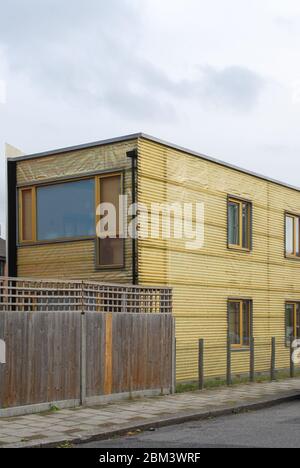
column 105, row 421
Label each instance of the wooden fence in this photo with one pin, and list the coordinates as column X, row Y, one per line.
column 78, row 342
column 83, row 358
column 34, row 295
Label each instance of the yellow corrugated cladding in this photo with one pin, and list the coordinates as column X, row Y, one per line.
column 202, row 279
column 74, row 259
column 205, row 278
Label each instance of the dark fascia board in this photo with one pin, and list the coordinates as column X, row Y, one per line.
column 135, row 136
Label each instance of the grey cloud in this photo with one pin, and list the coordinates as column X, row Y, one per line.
column 232, row 87
column 87, row 54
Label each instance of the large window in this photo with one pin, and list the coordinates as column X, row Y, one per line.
column 111, row 248
column 239, row 320
column 292, row 237
column 66, row 210
column 239, row 224
column 292, row 312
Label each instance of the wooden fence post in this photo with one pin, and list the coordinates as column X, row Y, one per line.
column 83, row 360
column 292, row 364
column 201, row 364
column 228, row 375
column 252, row 360
column 273, row 359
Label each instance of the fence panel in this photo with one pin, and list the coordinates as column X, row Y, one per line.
column 42, row 357
column 74, row 356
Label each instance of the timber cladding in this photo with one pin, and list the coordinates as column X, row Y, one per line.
column 204, row 279
column 74, row 260
column 123, row 353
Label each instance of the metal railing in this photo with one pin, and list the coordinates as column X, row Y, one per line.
column 34, row 295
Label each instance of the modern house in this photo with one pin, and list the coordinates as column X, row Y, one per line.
column 243, row 280
column 2, row 257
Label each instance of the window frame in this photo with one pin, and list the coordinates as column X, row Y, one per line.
column 292, row 256
column 33, row 215
column 240, row 201
column 240, row 346
column 294, row 304
column 98, row 178
column 33, row 187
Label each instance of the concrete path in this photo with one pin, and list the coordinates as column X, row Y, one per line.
column 77, row 425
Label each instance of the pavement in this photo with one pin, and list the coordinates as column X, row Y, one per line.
column 63, row 428
column 276, row 427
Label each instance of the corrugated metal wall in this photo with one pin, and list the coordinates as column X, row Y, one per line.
column 204, row 279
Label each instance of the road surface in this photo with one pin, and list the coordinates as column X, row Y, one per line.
column 278, row 426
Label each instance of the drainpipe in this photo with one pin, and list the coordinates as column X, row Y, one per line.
column 133, row 155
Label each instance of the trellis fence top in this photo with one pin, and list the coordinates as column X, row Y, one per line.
column 40, row 295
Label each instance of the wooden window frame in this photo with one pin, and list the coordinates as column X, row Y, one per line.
column 292, row 256
column 294, row 304
column 98, row 178
column 241, row 346
column 33, row 215
column 240, row 202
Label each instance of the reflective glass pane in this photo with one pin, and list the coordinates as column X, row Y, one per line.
column 297, row 247
column 289, row 311
column 233, row 223
column 66, row 210
column 246, row 323
column 246, row 227
column 234, row 322
column 289, row 235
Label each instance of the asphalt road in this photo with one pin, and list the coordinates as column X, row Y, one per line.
column 273, row 427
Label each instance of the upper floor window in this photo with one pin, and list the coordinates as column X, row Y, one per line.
column 239, row 320
column 57, row 211
column 67, row 210
column 110, row 248
column 239, row 224
column 292, row 235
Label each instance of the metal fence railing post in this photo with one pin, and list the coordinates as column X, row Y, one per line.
column 292, row 364
column 228, row 373
column 201, row 364
column 173, row 388
column 273, row 359
column 252, row 360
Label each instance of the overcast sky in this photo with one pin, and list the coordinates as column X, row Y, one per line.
column 219, row 77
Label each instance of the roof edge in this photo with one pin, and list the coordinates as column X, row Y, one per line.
column 68, row 149
column 135, row 136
